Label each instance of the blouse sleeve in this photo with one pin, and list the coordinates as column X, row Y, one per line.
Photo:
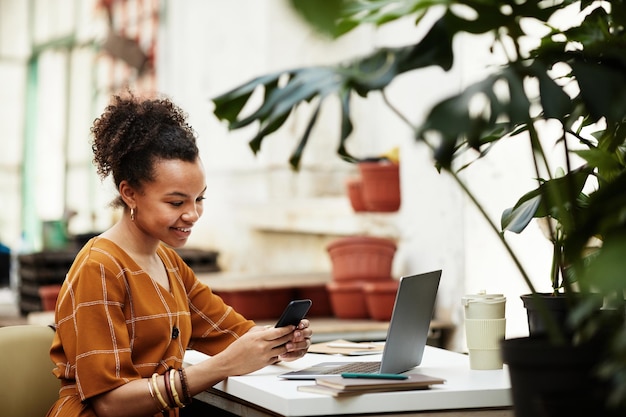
column 92, row 329
column 215, row 325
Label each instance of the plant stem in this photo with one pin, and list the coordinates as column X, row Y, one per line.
column 475, row 201
column 539, row 154
column 556, row 336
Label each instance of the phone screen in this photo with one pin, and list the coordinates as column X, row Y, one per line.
column 294, row 312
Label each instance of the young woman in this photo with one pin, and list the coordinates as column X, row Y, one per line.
column 129, row 306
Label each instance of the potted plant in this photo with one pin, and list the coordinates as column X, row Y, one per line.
column 380, row 182
column 377, row 187
column 560, row 300
column 579, row 81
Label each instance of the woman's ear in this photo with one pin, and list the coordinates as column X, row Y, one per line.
column 128, row 193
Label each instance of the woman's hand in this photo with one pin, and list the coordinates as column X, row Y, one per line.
column 259, row 347
column 299, row 343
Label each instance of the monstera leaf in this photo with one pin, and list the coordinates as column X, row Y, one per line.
column 285, row 90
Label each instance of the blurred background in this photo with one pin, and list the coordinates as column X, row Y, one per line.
column 61, row 60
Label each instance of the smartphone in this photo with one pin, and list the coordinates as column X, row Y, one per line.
column 294, row 312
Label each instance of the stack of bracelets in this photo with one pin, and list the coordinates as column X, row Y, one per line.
column 172, row 399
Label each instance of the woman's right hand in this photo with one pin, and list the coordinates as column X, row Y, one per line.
column 259, row 347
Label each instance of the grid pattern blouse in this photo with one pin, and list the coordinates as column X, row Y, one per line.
column 115, row 324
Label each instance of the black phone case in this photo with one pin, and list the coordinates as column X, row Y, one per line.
column 294, row 312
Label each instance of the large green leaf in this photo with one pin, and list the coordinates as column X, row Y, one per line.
column 346, row 126
column 321, row 14
column 606, row 270
column 608, row 163
column 284, row 91
column 475, row 126
column 555, row 102
column 557, row 198
column 515, row 219
column 335, row 18
column 605, row 212
column 303, row 85
column 603, row 87
column 229, row 105
column 297, row 154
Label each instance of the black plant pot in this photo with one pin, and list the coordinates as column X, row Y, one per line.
column 557, row 306
column 554, row 381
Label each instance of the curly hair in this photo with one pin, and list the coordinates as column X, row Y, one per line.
column 132, row 134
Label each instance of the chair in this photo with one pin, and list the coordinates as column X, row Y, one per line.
column 29, row 387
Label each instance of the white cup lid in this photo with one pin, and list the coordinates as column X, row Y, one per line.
column 483, row 297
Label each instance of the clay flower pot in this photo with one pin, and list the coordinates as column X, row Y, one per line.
column 258, row 304
column 321, row 300
column 354, row 188
column 362, row 258
column 347, row 299
column 380, row 184
column 380, row 298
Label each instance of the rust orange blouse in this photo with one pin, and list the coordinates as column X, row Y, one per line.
column 115, row 324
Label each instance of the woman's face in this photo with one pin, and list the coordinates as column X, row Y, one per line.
column 167, row 208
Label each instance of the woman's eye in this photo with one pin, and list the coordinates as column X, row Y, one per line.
column 176, row 203
column 200, row 199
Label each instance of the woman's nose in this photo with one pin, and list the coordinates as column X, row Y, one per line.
column 191, row 215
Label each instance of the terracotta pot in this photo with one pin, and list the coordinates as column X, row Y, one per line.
column 347, row 299
column 354, row 187
column 380, row 298
column 258, row 304
column 380, row 184
column 48, row 295
column 321, row 300
column 363, row 258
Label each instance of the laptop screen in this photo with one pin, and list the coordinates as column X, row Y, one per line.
column 407, row 333
column 409, row 327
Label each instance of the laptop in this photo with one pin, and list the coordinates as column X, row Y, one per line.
column 406, row 336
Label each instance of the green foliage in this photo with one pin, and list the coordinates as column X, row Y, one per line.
column 283, row 91
column 589, row 93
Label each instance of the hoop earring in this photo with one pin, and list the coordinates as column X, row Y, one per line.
column 132, row 214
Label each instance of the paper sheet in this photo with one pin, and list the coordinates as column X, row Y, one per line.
column 347, row 348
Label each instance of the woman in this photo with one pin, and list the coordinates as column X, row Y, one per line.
column 129, row 306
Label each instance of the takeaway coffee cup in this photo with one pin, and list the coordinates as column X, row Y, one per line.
column 485, row 327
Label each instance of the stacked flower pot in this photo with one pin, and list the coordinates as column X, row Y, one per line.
column 362, row 286
column 377, row 188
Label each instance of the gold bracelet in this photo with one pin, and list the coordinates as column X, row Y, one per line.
column 173, row 387
column 151, row 390
column 158, row 392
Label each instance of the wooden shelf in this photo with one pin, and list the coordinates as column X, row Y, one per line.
column 331, row 216
column 229, row 281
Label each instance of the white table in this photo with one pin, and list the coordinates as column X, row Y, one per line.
column 466, row 392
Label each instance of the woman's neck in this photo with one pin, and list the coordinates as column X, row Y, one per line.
column 127, row 236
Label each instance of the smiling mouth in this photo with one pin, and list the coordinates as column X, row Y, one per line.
column 183, row 229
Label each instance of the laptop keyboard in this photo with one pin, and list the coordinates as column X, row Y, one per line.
column 354, row 367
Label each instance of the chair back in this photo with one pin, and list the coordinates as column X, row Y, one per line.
column 29, row 387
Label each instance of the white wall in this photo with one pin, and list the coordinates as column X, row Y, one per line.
column 210, row 47
column 259, row 215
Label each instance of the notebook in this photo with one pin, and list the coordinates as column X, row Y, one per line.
column 406, row 336
column 337, row 386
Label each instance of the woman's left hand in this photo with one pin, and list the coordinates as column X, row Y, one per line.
column 299, row 343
